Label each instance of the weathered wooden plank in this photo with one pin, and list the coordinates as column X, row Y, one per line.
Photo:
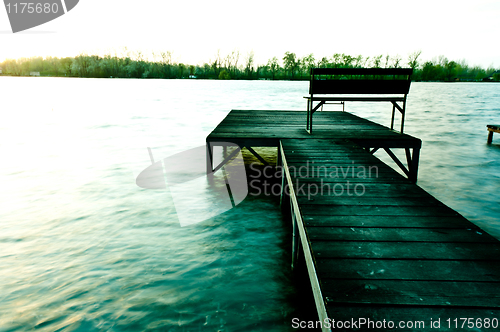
column 329, row 163
column 293, row 121
column 495, row 128
column 389, row 190
column 338, row 130
column 218, row 136
column 394, row 140
column 335, row 168
column 411, row 318
column 281, row 118
column 390, row 269
column 308, row 186
column 252, row 112
column 325, row 210
column 441, row 235
column 294, row 116
column 323, row 144
column 325, row 157
column 325, row 151
column 323, row 132
column 339, row 169
column 418, row 293
column 456, row 221
column 245, row 141
column 406, row 250
column 264, row 139
column 338, row 186
column 355, row 161
column 318, row 197
column 317, row 141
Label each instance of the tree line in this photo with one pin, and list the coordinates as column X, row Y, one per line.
column 235, row 66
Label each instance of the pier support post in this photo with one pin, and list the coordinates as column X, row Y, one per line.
column 285, row 198
column 210, row 152
column 492, row 129
column 279, row 163
column 393, row 115
column 414, row 165
column 279, row 160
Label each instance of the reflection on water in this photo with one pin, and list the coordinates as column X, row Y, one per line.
column 83, row 248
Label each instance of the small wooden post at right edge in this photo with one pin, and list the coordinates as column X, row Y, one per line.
column 490, row 136
column 492, row 129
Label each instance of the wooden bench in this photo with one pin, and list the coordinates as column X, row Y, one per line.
column 492, row 129
column 330, row 85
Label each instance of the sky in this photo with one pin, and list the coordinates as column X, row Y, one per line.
column 194, row 31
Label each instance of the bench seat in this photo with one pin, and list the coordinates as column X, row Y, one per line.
column 374, row 99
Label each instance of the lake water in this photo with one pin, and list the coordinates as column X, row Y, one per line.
column 83, row 248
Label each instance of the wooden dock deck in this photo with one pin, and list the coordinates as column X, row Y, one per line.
column 385, row 249
column 249, row 128
column 378, row 248
column 268, row 127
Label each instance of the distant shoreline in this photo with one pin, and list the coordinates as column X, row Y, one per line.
column 233, row 67
column 238, row 79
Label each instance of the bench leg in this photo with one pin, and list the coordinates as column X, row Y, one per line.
column 309, row 117
column 490, row 137
column 311, row 122
column 307, row 123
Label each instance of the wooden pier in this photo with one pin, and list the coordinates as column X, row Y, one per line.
column 267, row 128
column 378, row 248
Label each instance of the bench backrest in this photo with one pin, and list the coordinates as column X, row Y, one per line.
column 360, row 80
